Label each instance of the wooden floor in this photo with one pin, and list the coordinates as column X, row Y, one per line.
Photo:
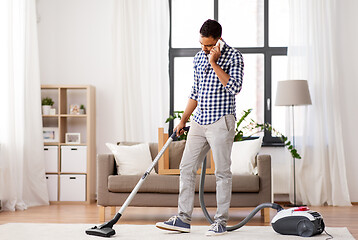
column 64, row 213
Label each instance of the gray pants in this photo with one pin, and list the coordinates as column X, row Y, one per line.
column 218, row 136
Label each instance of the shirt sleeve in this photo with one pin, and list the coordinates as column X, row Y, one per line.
column 195, row 87
column 236, row 73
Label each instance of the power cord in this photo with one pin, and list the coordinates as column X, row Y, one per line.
column 330, row 236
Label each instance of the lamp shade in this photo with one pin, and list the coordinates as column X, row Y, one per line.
column 292, row 92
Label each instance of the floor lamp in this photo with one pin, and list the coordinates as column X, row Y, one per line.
column 293, row 93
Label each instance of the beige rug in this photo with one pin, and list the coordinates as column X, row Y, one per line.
column 48, row 231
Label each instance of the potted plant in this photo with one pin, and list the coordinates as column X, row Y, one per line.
column 251, row 125
column 82, row 109
column 46, row 105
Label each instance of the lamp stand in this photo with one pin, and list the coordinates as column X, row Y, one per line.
column 294, row 162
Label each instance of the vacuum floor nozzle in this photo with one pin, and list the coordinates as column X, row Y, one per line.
column 101, row 232
column 106, row 229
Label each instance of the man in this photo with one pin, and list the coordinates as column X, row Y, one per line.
column 217, row 79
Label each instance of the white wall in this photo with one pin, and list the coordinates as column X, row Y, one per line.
column 75, row 48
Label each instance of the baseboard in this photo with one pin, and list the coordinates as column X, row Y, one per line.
column 284, row 199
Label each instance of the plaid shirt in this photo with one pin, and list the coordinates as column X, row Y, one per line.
column 215, row 100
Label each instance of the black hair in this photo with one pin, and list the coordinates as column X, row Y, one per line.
column 211, row 28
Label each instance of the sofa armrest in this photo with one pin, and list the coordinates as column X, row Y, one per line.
column 105, row 166
column 264, row 172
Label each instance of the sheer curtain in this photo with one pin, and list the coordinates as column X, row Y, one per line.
column 321, row 173
column 140, row 43
column 22, row 167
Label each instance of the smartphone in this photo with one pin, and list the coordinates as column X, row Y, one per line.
column 220, row 44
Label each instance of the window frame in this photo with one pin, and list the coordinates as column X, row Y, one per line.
column 266, row 50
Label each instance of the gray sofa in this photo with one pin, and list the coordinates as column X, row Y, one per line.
column 162, row 190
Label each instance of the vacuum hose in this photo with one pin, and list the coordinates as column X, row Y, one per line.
column 243, row 222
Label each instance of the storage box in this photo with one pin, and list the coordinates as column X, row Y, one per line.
column 51, row 158
column 52, row 186
column 74, row 159
column 72, row 187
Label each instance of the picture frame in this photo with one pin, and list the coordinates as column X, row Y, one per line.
column 50, row 134
column 73, row 138
column 74, row 109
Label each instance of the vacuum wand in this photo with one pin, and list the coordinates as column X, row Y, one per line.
column 106, row 229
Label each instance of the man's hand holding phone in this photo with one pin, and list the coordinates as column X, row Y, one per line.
column 215, row 52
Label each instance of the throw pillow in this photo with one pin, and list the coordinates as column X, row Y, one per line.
column 243, row 156
column 131, row 160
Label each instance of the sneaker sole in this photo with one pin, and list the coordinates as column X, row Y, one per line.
column 172, row 228
column 209, row 234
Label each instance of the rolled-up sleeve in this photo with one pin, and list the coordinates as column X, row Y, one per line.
column 236, row 73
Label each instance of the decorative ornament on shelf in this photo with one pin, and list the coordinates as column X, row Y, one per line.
column 50, row 134
column 82, row 109
column 73, row 138
column 74, row 109
column 46, row 105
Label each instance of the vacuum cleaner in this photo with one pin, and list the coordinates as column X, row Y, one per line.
column 299, row 221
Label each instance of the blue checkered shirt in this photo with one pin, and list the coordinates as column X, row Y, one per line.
column 215, row 100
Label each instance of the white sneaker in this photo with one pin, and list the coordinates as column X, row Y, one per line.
column 216, row 229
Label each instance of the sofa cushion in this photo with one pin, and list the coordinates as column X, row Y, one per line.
column 153, row 147
column 176, row 150
column 170, row 183
column 243, row 156
column 131, row 160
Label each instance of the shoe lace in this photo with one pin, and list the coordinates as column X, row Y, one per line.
column 173, row 219
column 214, row 227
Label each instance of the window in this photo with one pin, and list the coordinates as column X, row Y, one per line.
column 257, row 28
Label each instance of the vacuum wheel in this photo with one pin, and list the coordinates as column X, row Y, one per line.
column 305, row 228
